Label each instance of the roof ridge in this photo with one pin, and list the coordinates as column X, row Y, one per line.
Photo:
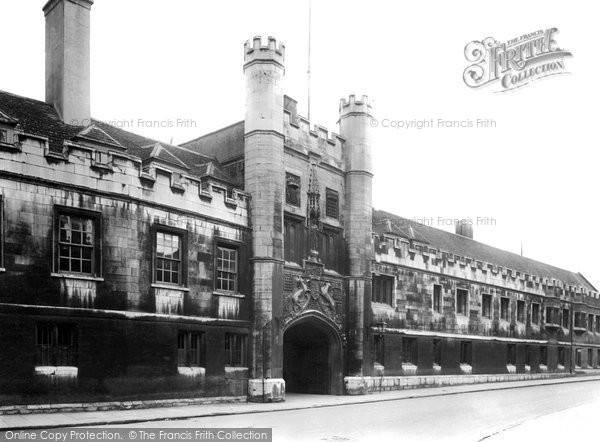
column 385, row 214
column 24, row 97
column 213, row 132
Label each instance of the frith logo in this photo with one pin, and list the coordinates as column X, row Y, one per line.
column 515, row 63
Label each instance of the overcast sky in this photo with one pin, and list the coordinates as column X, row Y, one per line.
column 535, row 174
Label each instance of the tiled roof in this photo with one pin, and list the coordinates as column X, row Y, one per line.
column 468, row 247
column 225, row 143
column 39, row 118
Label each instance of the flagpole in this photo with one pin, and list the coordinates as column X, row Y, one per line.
column 309, row 42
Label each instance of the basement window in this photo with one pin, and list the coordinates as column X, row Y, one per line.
column 511, row 354
column 378, row 349
column 235, row 350
column 190, row 349
column 561, row 356
column 466, row 352
column 56, row 345
column 544, row 355
column 437, row 351
column 409, row 351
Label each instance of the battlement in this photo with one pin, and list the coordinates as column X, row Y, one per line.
column 354, row 106
column 417, row 255
column 256, row 52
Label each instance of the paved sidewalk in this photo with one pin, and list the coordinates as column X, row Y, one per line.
column 293, row 402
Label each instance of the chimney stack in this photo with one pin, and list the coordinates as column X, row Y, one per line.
column 68, row 59
column 464, row 227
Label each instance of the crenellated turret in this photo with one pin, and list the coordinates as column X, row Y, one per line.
column 355, row 128
column 264, row 174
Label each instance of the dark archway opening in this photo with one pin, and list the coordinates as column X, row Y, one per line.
column 311, row 359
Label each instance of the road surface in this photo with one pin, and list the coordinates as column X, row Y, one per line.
column 513, row 414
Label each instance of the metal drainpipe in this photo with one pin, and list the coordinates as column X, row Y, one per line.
column 264, row 359
column 571, row 333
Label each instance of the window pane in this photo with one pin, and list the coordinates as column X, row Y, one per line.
column 86, row 266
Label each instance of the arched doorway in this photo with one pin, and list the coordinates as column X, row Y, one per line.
column 312, row 358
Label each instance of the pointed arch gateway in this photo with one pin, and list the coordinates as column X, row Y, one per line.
column 313, row 355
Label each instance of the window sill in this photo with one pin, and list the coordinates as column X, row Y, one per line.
column 228, row 294
column 229, row 369
column 2, row 270
column 77, row 276
column 466, row 368
column 191, row 371
column 59, row 371
column 169, row 287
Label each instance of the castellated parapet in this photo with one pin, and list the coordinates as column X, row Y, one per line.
column 255, row 51
column 352, row 106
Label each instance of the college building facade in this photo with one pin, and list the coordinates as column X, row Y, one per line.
column 246, row 262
